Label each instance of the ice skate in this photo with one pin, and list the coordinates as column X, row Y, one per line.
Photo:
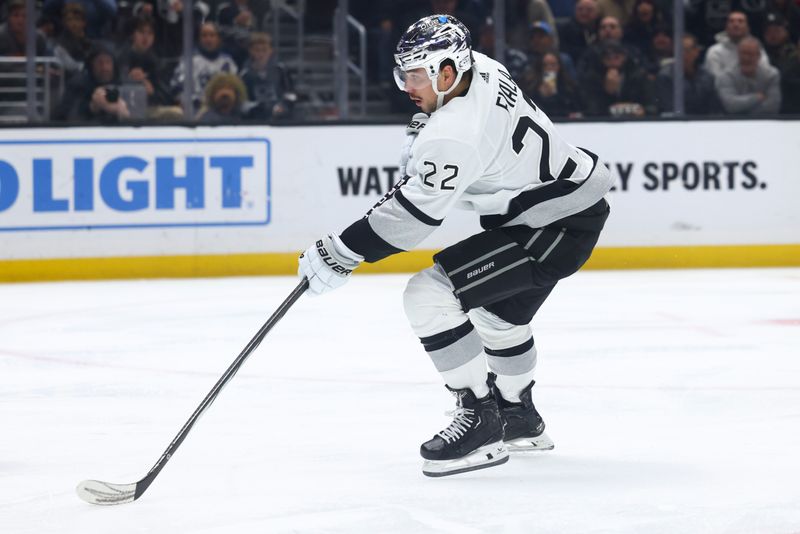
column 474, row 440
column 523, row 426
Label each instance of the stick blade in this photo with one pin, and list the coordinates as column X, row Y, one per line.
column 106, row 493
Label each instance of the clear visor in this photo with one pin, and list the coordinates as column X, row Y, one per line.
column 415, row 79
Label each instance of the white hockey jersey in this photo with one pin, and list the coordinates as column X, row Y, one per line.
column 492, row 151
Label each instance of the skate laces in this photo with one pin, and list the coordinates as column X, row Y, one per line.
column 462, row 420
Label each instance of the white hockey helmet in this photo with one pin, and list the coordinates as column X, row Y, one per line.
column 427, row 44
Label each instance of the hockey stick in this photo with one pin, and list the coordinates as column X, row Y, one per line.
column 105, row 493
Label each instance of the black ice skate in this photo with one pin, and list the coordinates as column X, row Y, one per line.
column 524, row 427
column 474, row 440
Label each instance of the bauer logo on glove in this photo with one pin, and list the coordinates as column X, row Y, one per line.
column 418, row 122
column 327, row 264
column 329, row 261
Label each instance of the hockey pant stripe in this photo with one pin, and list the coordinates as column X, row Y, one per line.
column 495, row 274
column 480, row 259
column 551, row 247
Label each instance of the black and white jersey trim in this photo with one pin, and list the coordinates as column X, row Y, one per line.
column 362, row 239
column 415, row 211
column 554, row 190
column 569, row 169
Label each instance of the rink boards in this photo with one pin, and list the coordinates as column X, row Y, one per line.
column 82, row 203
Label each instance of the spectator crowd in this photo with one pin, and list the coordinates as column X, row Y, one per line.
column 601, row 58
column 122, row 59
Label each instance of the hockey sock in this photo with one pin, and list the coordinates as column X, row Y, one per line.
column 514, row 368
column 471, row 375
column 511, row 386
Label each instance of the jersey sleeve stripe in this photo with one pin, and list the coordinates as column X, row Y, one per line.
column 552, row 193
column 415, row 211
column 527, row 200
column 362, row 239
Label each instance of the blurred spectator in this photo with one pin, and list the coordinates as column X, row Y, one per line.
column 707, row 18
column 138, row 63
column 580, row 31
column 790, row 84
column 516, row 61
column 777, row 42
column 699, row 93
column 236, row 20
column 241, row 13
column 642, row 26
column 619, row 87
column 72, row 46
column 790, row 10
column 12, row 33
column 534, row 11
column 724, row 55
column 562, row 9
column 267, row 82
column 660, row 50
column 167, row 15
column 556, row 91
column 47, row 29
column 540, row 42
column 622, row 10
column 608, row 32
column 750, row 87
column 99, row 14
column 207, row 61
column 94, row 95
column 224, row 100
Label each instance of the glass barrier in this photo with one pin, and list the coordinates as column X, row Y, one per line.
column 228, row 61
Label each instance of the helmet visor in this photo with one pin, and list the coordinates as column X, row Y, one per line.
column 415, row 79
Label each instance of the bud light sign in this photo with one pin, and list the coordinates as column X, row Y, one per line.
column 133, row 183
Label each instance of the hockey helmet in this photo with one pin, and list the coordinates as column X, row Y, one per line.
column 427, row 44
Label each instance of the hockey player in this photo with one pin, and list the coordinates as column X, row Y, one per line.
column 488, row 148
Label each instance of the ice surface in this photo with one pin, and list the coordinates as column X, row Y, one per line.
column 673, row 398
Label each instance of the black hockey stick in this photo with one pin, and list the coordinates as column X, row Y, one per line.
column 96, row 492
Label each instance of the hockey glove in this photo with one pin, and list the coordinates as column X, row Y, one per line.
column 327, row 264
column 418, row 122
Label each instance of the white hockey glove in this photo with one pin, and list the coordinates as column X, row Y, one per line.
column 327, row 264
column 418, row 122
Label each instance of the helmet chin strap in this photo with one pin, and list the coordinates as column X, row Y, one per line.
column 441, row 94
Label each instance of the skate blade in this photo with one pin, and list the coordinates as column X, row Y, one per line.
column 542, row 442
column 483, row 457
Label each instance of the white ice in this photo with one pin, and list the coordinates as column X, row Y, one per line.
column 673, row 398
